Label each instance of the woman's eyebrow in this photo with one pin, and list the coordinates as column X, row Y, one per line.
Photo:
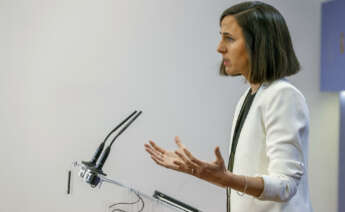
column 224, row 33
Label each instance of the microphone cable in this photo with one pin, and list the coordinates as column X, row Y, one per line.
column 140, row 199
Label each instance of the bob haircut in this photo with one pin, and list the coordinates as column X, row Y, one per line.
column 268, row 41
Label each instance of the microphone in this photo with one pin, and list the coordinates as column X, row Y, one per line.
column 91, row 170
column 99, row 150
column 106, row 153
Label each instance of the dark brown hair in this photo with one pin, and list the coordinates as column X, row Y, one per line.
column 267, row 39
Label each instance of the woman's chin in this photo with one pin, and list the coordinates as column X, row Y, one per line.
column 230, row 72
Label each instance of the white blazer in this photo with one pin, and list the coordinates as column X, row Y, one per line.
column 273, row 144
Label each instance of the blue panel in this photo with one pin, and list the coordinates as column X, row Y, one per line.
column 333, row 46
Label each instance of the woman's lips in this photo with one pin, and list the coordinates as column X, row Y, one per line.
column 226, row 62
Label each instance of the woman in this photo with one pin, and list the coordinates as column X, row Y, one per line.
column 267, row 168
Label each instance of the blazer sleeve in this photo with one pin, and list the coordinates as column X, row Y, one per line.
column 286, row 122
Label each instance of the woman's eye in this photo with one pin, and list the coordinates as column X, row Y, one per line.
column 229, row 38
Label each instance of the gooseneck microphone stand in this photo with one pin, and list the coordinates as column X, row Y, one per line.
column 92, row 173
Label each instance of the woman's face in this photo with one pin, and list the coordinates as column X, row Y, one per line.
column 232, row 46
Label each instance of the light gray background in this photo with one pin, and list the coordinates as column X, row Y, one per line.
column 70, row 70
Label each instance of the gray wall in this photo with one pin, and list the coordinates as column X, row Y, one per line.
column 71, row 70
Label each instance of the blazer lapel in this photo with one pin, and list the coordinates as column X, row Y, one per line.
column 234, row 120
column 238, row 109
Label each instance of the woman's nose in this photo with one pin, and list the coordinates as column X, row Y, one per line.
column 221, row 49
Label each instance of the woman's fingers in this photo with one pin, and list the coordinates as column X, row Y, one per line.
column 218, row 154
column 192, row 158
column 155, row 154
column 187, row 162
column 184, row 167
column 182, row 159
column 178, row 163
column 162, row 163
column 159, row 162
column 178, row 142
column 149, row 148
column 156, row 147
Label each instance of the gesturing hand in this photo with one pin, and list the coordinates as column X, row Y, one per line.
column 163, row 157
column 182, row 160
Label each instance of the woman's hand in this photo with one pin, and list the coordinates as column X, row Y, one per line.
column 182, row 160
column 163, row 157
